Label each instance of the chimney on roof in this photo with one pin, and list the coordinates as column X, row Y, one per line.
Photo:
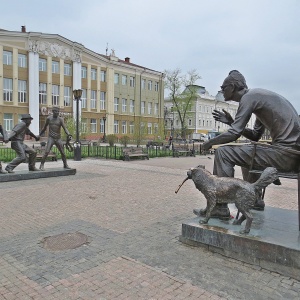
column 127, row 59
column 23, row 28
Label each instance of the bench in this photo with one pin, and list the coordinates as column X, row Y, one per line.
column 134, row 152
column 40, row 151
column 182, row 149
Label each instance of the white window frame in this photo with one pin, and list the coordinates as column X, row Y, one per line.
column 93, row 125
column 131, row 127
column 22, row 60
column 116, row 104
column 83, row 124
column 8, row 122
column 55, row 67
column 131, row 105
column 143, row 104
column 124, row 105
column 124, row 79
column 22, row 91
column 132, row 81
column 149, row 108
column 7, row 57
column 93, row 74
column 155, row 128
column 150, row 85
column 124, row 127
column 93, row 99
column 42, row 93
column 103, row 76
column 7, row 89
column 67, row 96
column 156, row 86
column 116, row 78
column 116, row 126
column 149, row 128
column 83, row 98
column 67, row 69
column 83, row 72
column 156, row 109
column 55, row 95
column 143, row 84
column 101, row 126
column 42, row 65
column 102, row 100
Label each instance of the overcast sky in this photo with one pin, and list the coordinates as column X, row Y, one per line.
column 260, row 38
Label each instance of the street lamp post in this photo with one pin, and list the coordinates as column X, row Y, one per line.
column 104, row 134
column 77, row 145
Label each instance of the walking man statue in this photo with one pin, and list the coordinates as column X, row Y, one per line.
column 273, row 112
column 17, row 137
column 55, row 122
column 5, row 140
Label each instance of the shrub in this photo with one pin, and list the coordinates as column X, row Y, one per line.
column 124, row 140
column 111, row 138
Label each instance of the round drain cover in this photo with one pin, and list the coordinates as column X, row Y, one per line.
column 65, row 241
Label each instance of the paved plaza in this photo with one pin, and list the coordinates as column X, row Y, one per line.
column 132, row 217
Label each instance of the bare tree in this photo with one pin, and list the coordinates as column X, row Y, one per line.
column 182, row 91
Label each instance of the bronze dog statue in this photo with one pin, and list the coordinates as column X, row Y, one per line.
column 230, row 190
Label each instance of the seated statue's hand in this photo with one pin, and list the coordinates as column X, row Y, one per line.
column 37, row 138
column 206, row 146
column 223, row 117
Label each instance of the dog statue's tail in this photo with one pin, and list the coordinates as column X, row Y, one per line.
column 268, row 176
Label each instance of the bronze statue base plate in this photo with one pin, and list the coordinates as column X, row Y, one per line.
column 26, row 175
column 273, row 242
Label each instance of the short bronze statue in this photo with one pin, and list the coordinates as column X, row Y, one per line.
column 274, row 113
column 55, row 123
column 17, row 137
column 218, row 190
column 5, row 140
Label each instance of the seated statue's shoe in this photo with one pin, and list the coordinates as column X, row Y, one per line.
column 3, row 171
column 259, row 205
column 34, row 169
column 42, row 168
column 66, row 167
column 9, row 170
column 222, row 213
column 277, row 182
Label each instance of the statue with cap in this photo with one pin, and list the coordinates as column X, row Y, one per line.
column 55, row 123
column 17, row 137
column 274, row 113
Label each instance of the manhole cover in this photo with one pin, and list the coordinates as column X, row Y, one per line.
column 65, row 241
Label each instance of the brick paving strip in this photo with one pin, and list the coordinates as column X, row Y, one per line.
column 132, row 217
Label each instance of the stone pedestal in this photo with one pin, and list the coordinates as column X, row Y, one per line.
column 26, row 175
column 273, row 242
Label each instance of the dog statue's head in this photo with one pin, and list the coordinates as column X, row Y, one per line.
column 192, row 171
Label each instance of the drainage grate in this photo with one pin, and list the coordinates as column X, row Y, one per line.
column 65, row 241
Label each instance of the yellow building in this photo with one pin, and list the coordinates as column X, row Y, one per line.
column 39, row 71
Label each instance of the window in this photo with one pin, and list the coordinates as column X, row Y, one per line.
column 156, row 86
column 124, row 80
column 7, row 57
column 124, row 127
column 102, row 100
column 83, row 125
column 93, row 125
column 149, row 108
column 67, row 70
column 8, row 122
column 143, row 84
column 67, row 96
column 149, row 128
column 22, row 91
column 116, row 78
column 124, row 105
column 55, row 67
column 190, row 122
column 131, row 81
column 131, row 127
column 22, row 60
column 116, row 104
column 156, row 109
column 43, row 64
column 101, row 126
column 93, row 99
column 103, row 76
column 116, row 126
column 155, row 128
column 7, row 89
column 83, row 72
column 43, row 93
column 83, row 98
column 55, row 95
column 132, row 106
column 143, row 107
column 150, row 85
column 93, row 74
